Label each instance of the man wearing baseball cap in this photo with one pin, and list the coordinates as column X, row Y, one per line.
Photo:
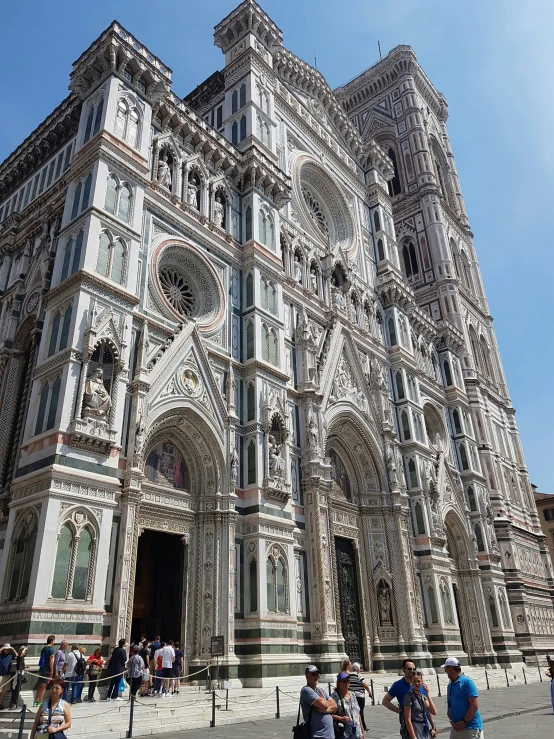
column 463, row 703
column 317, row 707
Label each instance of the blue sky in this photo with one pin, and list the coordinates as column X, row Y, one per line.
column 490, row 58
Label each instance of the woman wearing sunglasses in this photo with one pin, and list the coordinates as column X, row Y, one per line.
column 347, row 720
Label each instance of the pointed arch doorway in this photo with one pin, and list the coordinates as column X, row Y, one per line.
column 457, row 551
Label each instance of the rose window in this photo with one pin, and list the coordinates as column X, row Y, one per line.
column 315, row 211
column 177, row 291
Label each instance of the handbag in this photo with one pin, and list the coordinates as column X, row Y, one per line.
column 302, row 730
column 58, row 734
column 338, row 727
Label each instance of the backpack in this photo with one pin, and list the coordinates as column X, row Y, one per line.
column 80, row 666
column 42, row 663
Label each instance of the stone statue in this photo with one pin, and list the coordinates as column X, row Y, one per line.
column 384, row 606
column 275, row 460
column 297, row 268
column 313, row 280
column 139, row 436
column 338, row 297
column 219, row 212
column 490, row 527
column 189, row 381
column 313, row 435
column 164, row 172
column 392, row 470
column 234, row 468
column 192, row 191
column 96, row 401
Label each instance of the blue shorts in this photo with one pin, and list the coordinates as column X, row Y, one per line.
column 44, row 677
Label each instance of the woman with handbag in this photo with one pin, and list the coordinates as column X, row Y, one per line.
column 95, row 665
column 347, row 721
column 418, row 712
column 54, row 715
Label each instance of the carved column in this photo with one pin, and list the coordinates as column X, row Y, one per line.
column 126, row 560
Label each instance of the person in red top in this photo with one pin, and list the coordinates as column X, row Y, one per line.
column 95, row 665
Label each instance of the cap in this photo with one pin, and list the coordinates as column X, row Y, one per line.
column 343, row 676
column 451, row 662
column 313, row 669
column 7, row 646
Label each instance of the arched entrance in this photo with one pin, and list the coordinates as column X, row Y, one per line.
column 457, row 548
column 353, row 475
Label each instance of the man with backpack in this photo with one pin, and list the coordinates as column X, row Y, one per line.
column 74, row 672
column 45, row 669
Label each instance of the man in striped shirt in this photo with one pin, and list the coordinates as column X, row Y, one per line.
column 357, row 686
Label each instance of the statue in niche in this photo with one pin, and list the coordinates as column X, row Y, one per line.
column 219, row 211
column 384, row 603
column 313, row 436
column 190, row 381
column 234, row 474
column 192, row 194
column 139, row 436
column 276, row 464
column 96, row 400
column 297, row 269
column 164, row 172
column 392, row 470
column 313, row 279
column 490, row 527
column 338, row 297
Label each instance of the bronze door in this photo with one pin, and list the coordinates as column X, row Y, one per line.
column 349, row 600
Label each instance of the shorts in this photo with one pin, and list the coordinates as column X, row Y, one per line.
column 467, row 734
column 43, row 677
column 146, row 675
column 5, row 681
column 166, row 672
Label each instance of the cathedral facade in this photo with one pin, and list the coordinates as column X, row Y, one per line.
column 249, row 383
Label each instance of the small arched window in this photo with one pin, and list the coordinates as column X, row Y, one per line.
column 242, row 127
column 380, row 250
column 265, row 228
column 234, row 101
column 250, row 403
column 405, row 426
column 72, row 255
column 433, row 606
column 463, row 457
column 21, row 560
column 235, row 132
column 48, row 405
column 251, row 462
column 273, row 347
column 276, row 584
column 111, row 260
column 420, row 524
column 376, row 220
column 58, row 339
column 63, row 560
column 253, row 585
column 447, row 372
column 94, row 119
column 250, row 340
column 82, row 565
column 411, row 263
column 242, row 95
column 127, row 123
column 400, row 386
column 457, row 424
column 471, row 498
column 248, row 223
column 81, row 196
column 392, row 331
column 249, row 290
column 493, row 612
column 265, row 343
column 412, row 474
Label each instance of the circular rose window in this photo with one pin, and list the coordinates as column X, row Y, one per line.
column 187, row 287
column 178, row 291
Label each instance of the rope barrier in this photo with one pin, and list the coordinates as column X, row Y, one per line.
column 223, row 697
column 119, row 674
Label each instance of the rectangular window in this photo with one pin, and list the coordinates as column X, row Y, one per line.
column 67, row 157
column 219, row 116
column 549, row 514
column 42, row 179
column 50, row 173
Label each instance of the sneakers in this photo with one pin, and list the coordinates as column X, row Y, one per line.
column 108, row 700
column 119, row 699
column 35, row 704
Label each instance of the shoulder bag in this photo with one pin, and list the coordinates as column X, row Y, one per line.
column 58, row 734
column 302, row 730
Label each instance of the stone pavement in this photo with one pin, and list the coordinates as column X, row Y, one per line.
column 524, row 706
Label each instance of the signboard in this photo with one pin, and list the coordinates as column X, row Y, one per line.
column 217, row 646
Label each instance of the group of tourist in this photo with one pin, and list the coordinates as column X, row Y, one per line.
column 341, row 715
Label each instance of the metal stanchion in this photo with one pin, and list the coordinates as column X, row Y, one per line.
column 329, row 688
column 227, row 700
column 487, row 679
column 372, row 693
column 278, row 713
column 507, row 679
column 540, row 674
column 130, row 731
column 525, row 676
column 439, row 686
column 212, row 722
column 22, row 721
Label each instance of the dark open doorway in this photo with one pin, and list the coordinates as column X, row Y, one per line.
column 347, row 575
column 158, row 598
column 459, row 615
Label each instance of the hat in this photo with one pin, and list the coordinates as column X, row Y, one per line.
column 451, row 662
column 343, row 676
column 313, row 669
column 7, row 646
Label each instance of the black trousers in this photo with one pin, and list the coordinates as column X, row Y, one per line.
column 361, row 703
column 136, row 682
column 114, row 684
column 92, row 683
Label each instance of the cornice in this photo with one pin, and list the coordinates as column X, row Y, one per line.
column 93, row 283
column 248, row 17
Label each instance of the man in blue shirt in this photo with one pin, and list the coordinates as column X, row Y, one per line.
column 399, row 689
column 317, row 707
column 463, row 703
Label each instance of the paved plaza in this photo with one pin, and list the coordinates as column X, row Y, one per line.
column 522, row 711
